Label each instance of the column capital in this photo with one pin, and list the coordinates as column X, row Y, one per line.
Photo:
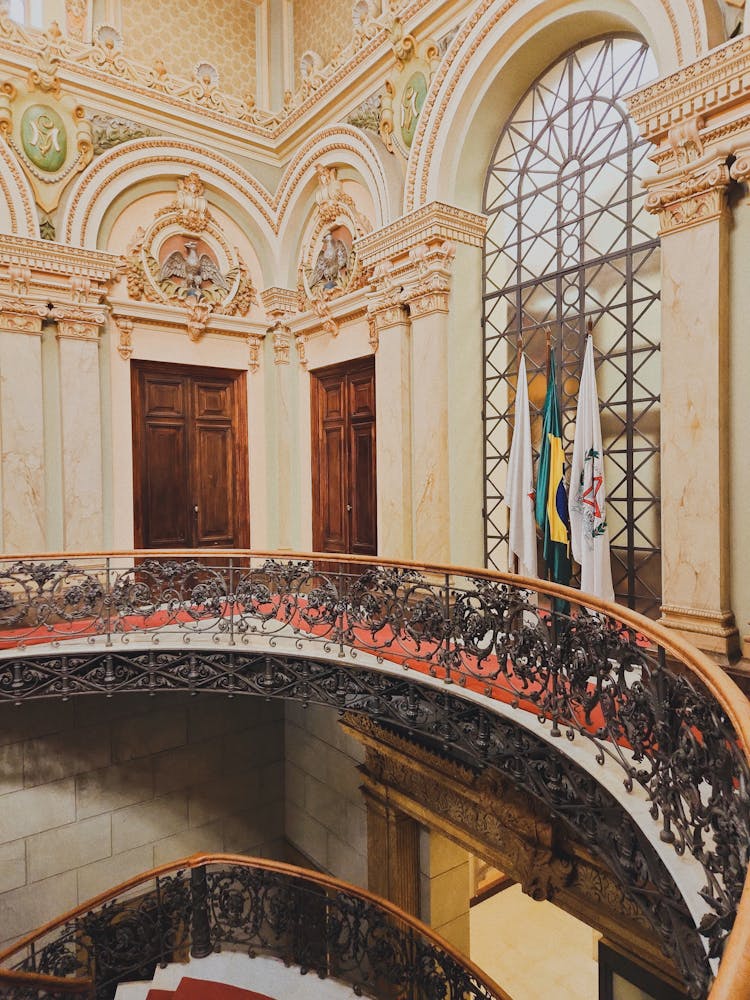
column 22, row 316
column 690, row 197
column 75, row 322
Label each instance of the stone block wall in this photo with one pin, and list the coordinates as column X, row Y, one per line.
column 95, row 791
column 325, row 812
column 445, row 888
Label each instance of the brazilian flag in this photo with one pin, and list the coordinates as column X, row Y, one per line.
column 551, row 505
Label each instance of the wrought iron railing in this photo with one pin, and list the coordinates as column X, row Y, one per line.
column 595, row 675
column 212, row 902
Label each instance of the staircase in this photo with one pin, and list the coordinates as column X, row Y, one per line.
column 232, row 975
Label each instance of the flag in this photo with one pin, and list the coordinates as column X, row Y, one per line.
column 520, row 486
column 588, row 498
column 551, row 495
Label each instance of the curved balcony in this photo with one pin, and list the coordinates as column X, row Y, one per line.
column 636, row 739
column 209, row 903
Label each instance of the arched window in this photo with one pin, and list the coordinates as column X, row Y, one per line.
column 569, row 240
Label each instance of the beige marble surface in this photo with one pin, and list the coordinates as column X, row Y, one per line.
column 430, row 472
column 694, row 437
column 80, row 412
column 22, row 423
column 393, row 419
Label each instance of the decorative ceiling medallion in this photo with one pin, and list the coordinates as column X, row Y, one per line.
column 183, row 259
column 406, row 89
column 329, row 266
column 50, row 136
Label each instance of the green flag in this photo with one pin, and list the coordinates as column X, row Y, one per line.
column 551, row 506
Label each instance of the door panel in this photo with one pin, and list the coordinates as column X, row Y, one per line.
column 189, row 457
column 343, row 451
column 166, row 506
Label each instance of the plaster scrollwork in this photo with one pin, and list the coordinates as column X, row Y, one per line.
column 330, row 266
column 183, row 259
column 406, row 88
column 690, row 198
column 386, row 306
column 280, row 305
column 686, row 142
column 47, row 131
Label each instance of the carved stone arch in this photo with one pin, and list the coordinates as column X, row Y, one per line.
column 348, row 148
column 18, row 198
column 123, row 173
column 500, row 50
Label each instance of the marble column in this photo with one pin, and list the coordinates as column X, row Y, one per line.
column 392, row 853
column 694, row 429
column 390, row 337
column 78, row 332
column 22, row 423
column 428, row 306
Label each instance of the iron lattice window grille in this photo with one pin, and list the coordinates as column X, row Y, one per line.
column 569, row 239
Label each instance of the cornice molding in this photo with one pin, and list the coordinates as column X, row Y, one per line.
column 435, row 222
column 708, row 87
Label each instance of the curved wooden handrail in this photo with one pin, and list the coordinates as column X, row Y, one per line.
column 732, row 980
column 52, row 984
column 280, row 867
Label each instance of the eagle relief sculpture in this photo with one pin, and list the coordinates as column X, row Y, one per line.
column 184, row 275
column 332, row 260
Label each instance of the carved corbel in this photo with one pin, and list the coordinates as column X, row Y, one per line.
column 197, row 320
column 254, row 345
column 300, row 342
column 125, row 329
column 385, row 304
column 282, row 342
column 691, row 197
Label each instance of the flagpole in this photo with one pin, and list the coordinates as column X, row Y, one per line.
column 519, row 352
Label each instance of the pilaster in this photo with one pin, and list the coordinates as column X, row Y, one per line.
column 699, row 121
column 22, row 422
column 78, row 333
column 411, row 262
column 390, row 337
column 392, row 853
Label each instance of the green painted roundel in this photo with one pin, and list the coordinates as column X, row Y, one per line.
column 412, row 99
column 43, row 137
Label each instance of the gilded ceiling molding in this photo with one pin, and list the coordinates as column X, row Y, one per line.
column 463, row 61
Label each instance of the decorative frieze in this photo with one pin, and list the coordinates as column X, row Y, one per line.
column 433, row 223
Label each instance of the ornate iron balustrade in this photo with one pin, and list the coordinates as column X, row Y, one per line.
column 211, row 902
column 596, row 676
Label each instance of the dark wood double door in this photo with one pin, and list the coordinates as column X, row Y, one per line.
column 343, row 458
column 189, row 457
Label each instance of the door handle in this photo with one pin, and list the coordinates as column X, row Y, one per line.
column 348, row 507
column 195, row 509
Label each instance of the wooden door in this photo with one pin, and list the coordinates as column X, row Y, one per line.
column 189, row 457
column 343, row 454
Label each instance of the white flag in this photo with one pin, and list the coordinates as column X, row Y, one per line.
column 520, row 487
column 589, row 537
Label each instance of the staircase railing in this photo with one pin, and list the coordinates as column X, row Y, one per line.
column 594, row 674
column 207, row 903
